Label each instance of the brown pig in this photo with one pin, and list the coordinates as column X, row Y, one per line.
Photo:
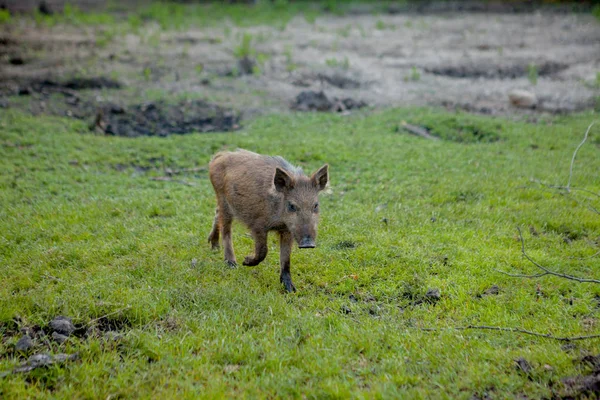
column 266, row 194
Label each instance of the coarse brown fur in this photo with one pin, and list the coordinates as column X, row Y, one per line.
column 266, row 194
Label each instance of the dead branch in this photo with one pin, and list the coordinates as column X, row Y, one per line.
column 169, row 179
column 568, row 187
column 546, row 270
column 417, row 130
column 516, row 330
column 520, row 275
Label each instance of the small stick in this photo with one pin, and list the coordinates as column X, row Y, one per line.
column 417, row 130
column 546, row 270
column 568, row 187
column 517, row 330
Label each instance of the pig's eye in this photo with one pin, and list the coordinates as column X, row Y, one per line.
column 316, row 207
column 291, row 207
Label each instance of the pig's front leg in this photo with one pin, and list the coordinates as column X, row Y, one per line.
column 285, row 251
column 260, row 249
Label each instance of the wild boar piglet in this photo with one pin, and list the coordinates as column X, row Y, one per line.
column 266, row 194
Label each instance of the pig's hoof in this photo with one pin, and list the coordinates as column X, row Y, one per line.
column 287, row 282
column 231, row 264
column 250, row 261
column 214, row 246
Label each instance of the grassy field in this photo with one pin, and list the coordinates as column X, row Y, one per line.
column 87, row 233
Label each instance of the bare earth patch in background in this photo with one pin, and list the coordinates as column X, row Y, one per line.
column 468, row 60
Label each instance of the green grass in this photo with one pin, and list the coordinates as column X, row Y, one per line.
column 182, row 16
column 338, row 63
column 414, row 75
column 532, row 74
column 86, row 232
column 4, row 16
column 73, row 15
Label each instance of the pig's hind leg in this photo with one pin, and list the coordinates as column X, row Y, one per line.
column 225, row 220
column 213, row 237
column 260, row 249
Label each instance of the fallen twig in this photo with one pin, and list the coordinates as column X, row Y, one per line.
column 546, row 270
column 169, row 179
column 516, row 330
column 417, row 130
column 568, row 187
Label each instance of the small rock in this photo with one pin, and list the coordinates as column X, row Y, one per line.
column 433, row 295
column 194, row 262
column 353, row 298
column 523, row 365
column 492, row 290
column 62, row 325
column 522, row 98
column 24, row 344
column 346, row 310
column 39, row 359
column 59, row 338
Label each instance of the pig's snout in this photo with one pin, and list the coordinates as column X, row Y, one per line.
column 307, row 242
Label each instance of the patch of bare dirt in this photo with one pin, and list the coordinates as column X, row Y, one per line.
column 491, row 70
column 162, row 119
column 48, row 86
column 318, row 101
column 459, row 55
column 158, row 118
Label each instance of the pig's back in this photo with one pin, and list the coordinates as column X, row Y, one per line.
column 245, row 179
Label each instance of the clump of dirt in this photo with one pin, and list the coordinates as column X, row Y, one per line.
column 339, row 81
column 111, row 324
column 523, row 366
column 460, row 128
column 413, row 292
column 317, row 101
column 49, row 86
column 490, row 70
column 586, row 385
column 162, row 119
column 493, row 290
column 246, row 65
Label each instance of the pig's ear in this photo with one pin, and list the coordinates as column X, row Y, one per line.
column 321, row 177
column 282, row 180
